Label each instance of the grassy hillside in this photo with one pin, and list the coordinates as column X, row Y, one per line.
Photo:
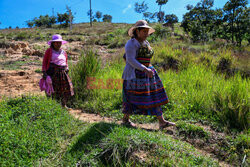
column 35, row 131
column 207, row 84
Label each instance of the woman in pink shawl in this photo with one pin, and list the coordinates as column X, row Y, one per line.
column 55, row 65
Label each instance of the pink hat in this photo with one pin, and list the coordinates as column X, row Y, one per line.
column 57, row 38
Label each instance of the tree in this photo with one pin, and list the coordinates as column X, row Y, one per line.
column 63, row 18
column 160, row 16
column 98, row 15
column 69, row 12
column 147, row 15
column 170, row 20
column 60, row 18
column 217, row 28
column 246, row 20
column 42, row 21
column 233, row 18
column 107, row 18
column 52, row 20
column 160, row 3
column 30, row 23
column 199, row 20
column 141, row 8
column 90, row 14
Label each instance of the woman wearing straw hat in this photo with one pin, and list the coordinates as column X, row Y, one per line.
column 143, row 91
column 55, row 64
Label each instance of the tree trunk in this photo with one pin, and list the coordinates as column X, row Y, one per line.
column 232, row 26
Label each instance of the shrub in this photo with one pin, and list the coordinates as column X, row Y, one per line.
column 87, row 66
column 160, row 33
column 23, row 35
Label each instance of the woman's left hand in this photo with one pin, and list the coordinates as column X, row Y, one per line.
column 149, row 72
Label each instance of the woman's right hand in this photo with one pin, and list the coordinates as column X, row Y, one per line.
column 149, row 72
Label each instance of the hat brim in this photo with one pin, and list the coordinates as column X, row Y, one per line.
column 57, row 40
column 131, row 30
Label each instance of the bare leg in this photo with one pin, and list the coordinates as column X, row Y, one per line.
column 64, row 102
column 163, row 123
column 126, row 121
column 125, row 118
column 161, row 120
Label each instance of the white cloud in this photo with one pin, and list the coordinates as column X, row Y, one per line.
column 127, row 8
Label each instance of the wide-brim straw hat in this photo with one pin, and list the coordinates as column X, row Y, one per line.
column 142, row 24
column 57, row 38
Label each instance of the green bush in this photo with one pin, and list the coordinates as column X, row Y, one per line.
column 160, row 33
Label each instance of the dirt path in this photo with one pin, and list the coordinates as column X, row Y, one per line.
column 95, row 118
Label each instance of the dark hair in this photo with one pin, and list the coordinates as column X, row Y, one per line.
column 134, row 32
column 52, row 45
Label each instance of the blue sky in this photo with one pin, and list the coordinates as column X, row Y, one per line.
column 15, row 12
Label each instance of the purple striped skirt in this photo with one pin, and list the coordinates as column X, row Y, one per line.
column 144, row 95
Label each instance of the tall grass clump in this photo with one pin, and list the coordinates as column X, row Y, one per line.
column 231, row 102
column 106, row 89
column 225, row 61
column 85, row 69
column 166, row 57
column 199, row 93
column 32, row 130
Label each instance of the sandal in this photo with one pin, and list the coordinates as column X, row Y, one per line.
column 167, row 125
column 128, row 123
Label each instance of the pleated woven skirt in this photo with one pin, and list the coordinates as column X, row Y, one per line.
column 144, row 95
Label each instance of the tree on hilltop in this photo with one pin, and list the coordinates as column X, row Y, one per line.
column 141, row 8
column 199, row 20
column 160, row 15
column 90, row 14
column 170, row 20
column 98, row 15
column 44, row 21
column 30, row 23
column 149, row 16
column 236, row 19
column 107, row 18
column 63, row 19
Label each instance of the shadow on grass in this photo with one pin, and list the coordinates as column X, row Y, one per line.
column 93, row 136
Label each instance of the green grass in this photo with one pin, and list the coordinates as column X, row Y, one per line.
column 33, row 129
column 195, row 93
column 105, row 144
column 191, row 131
column 17, row 65
column 36, row 131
